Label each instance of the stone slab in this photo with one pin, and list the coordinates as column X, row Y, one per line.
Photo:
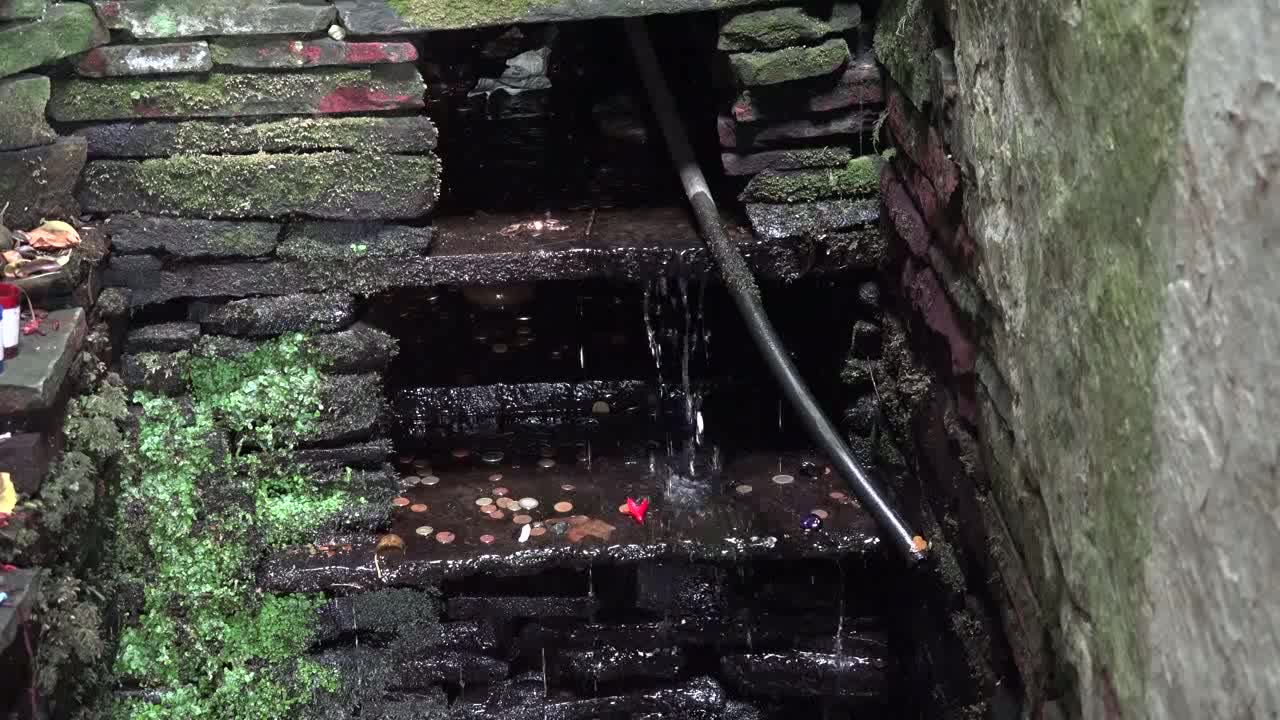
column 853, row 122
column 164, row 337
column 23, row 587
column 271, row 316
column 305, row 92
column 66, row 29
column 360, row 348
column 737, row 164
column 414, row 134
column 38, row 183
column 354, row 409
column 22, row 9
column 777, row 221
column 194, row 18
column 161, row 59
column 781, row 27
column 395, row 17
column 23, row 99
column 157, row 373
column 31, row 381
column 26, row 457
column 289, row 53
column 859, row 177
column 190, row 239
column 859, row 84
column 328, row 185
column 320, row 242
column 789, row 64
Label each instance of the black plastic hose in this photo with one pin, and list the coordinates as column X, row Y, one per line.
column 746, row 296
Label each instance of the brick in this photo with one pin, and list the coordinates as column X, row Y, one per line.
column 925, row 294
column 902, row 212
column 923, row 145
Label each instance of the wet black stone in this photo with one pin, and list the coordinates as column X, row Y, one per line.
column 164, row 337
column 136, row 272
column 353, row 409
column 869, row 295
column 412, row 706
column 340, row 242
column 784, row 221
column 867, row 341
column 678, row 589
column 367, row 675
column 267, row 317
column 190, row 239
column 159, row 373
column 366, row 455
column 393, row 612
column 861, row 418
column 38, row 182
column 448, row 666
column 589, row 668
column 805, row 674
column 507, row 607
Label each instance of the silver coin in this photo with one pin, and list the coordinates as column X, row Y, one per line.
column 528, row 503
column 546, row 463
column 492, row 457
column 744, row 489
column 430, row 480
column 425, row 530
column 783, row 479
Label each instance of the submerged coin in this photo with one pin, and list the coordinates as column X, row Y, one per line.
column 822, row 514
column 486, row 509
column 492, row 458
column 400, row 501
column 547, row 452
column 623, row 509
column 837, row 495
column 546, row 463
column 783, row 479
column 538, row 531
column 563, row 506
column 461, row 453
column 496, row 477
column 522, row 519
column 430, row 480
column 500, row 348
column 484, row 501
column 444, row 536
column 744, row 489
column 500, row 491
column 567, row 487
column 487, row 539
column 600, row 407
column 497, row 515
column 418, row 507
column 528, row 503
column 425, row 530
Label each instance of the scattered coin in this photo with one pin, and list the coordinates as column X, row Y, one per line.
column 445, row 537
column 400, row 501
column 822, row 514
column 389, row 542
column 563, row 506
column 525, row 532
column 496, row 477
column 499, row 348
column 497, row 515
column 487, row 539
column 484, row 501
column 406, row 459
column 418, row 507
column 486, row 509
column 744, row 489
column 500, row 491
column 528, row 503
column 492, row 458
column 836, row 495
column 623, row 509
column 579, row 520
column 567, row 487
column 425, row 530
column 600, row 407
column 783, row 479
column 538, row 532
column 430, row 480
column 546, row 463
column 522, row 519
column 461, row 453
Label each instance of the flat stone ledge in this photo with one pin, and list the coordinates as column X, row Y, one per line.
column 150, row 19
column 23, row 587
column 32, row 381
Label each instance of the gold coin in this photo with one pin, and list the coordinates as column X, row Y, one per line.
column 563, row 506
column 400, row 501
column 522, row 519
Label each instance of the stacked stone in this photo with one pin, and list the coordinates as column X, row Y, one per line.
column 807, row 99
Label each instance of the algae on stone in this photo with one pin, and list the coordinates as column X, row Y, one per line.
column 23, row 99
column 860, row 176
column 793, row 63
column 781, row 27
column 66, row 29
column 904, row 42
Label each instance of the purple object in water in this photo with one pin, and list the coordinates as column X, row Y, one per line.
column 811, row 522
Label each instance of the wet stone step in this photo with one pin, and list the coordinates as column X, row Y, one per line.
column 523, row 699
column 591, row 668
column 422, row 410
column 574, row 520
column 507, row 608
column 817, row 633
column 807, row 674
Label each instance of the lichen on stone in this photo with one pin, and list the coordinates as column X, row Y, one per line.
column 904, row 41
column 860, row 176
column 793, row 63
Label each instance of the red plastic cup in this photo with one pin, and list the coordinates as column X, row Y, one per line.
column 10, row 326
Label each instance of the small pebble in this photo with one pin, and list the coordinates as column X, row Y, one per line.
column 528, row 503
column 538, row 531
column 400, row 501
column 811, row 522
column 567, row 487
column 525, row 532
column 425, row 530
column 445, row 537
column 418, row 508
column 563, row 506
column 822, row 514
column 809, row 469
column 743, row 489
column 484, row 501
column 487, row 539
column 522, row 519
column 500, row 491
column 783, row 479
column 430, row 480
column 492, row 458
column 546, row 463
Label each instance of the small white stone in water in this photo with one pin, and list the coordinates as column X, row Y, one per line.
column 337, row 32
column 783, row 479
column 430, row 480
column 528, row 503
column 525, row 531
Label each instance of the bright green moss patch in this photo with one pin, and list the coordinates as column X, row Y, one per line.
column 904, row 40
column 860, row 176
column 210, row 488
column 793, row 63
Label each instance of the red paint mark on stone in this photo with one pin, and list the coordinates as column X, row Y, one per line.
column 902, row 212
column 376, row 52
column 728, row 131
column 357, row 99
column 311, row 54
column 110, row 9
column 94, row 63
column 926, row 295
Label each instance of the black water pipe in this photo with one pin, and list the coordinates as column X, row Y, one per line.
column 746, row 296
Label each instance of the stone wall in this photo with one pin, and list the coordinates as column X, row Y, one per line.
column 1097, row 279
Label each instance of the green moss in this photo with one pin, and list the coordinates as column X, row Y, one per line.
column 793, row 63
column 860, row 176
column 66, row 29
column 359, row 133
column 773, row 28
column 442, row 14
column 904, row 41
column 820, row 157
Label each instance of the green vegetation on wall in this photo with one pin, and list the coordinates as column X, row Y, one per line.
column 212, row 486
